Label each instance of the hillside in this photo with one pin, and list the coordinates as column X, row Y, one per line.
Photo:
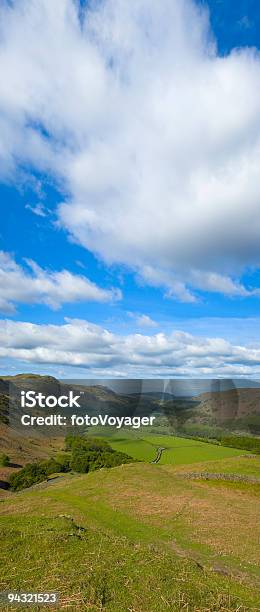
column 216, row 407
column 135, row 538
column 142, row 536
column 233, row 409
column 24, row 445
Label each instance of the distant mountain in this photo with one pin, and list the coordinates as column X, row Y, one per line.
column 94, row 399
column 229, row 409
column 232, row 408
column 236, row 408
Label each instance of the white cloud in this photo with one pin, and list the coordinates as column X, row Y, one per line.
column 154, row 136
column 99, row 352
column 143, row 320
column 38, row 209
column 37, row 286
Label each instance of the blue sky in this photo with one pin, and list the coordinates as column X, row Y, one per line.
column 235, row 24
column 129, row 188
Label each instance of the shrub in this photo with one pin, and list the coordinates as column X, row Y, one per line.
column 63, row 460
column 88, row 460
column 201, row 431
column 81, row 460
column 243, row 442
column 87, row 454
column 29, row 475
column 76, row 441
column 37, row 472
column 4, row 460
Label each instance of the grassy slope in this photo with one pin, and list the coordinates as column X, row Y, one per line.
column 137, row 537
column 244, row 465
column 24, row 449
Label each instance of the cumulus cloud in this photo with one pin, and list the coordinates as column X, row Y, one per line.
column 99, row 352
column 154, row 137
column 34, row 285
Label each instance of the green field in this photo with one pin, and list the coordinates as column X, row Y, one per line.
column 178, row 451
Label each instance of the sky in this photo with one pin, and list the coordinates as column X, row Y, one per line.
column 129, row 188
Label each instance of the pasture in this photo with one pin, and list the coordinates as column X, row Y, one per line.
column 136, row 537
column 178, row 451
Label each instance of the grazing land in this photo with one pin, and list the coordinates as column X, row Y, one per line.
column 178, row 451
column 137, row 537
column 179, row 534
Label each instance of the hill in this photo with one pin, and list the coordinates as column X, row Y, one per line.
column 232, row 410
column 25, row 445
column 142, row 536
column 235, row 408
column 135, row 538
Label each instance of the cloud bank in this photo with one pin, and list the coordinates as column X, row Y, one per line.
column 99, row 352
column 33, row 285
column 153, row 136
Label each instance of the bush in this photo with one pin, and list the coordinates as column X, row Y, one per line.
column 34, row 473
column 4, row 460
column 87, row 454
column 243, row 442
column 88, row 460
column 201, row 431
column 74, row 441
column 250, row 423
column 63, row 460
column 81, row 460
column 29, row 475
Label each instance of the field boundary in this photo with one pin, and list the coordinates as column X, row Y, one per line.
column 213, row 476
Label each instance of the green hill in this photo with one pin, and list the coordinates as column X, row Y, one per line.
column 137, row 537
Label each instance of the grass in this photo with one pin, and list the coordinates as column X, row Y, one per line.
column 243, row 465
column 78, row 562
column 136, row 538
column 179, row 451
column 139, row 537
